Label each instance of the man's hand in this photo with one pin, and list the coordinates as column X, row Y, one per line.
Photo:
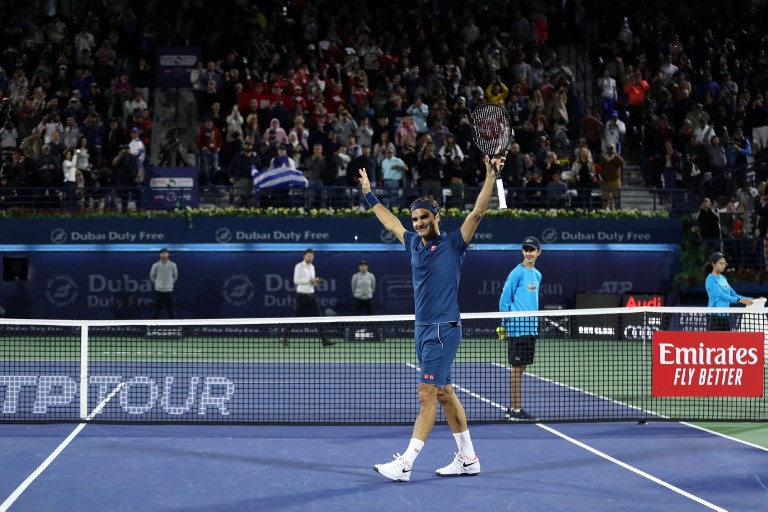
column 364, row 183
column 493, row 166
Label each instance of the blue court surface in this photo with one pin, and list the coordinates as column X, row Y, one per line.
column 573, row 467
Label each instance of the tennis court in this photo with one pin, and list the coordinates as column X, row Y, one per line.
column 184, row 416
column 598, row 466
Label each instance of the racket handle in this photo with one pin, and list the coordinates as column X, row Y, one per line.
column 502, row 196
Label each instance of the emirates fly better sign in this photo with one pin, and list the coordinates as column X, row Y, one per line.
column 687, row 364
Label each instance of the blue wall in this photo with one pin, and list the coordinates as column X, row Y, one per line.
column 243, row 267
column 115, row 285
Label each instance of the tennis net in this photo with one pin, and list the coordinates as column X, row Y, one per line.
column 619, row 364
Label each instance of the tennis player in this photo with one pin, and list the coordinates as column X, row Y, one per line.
column 521, row 293
column 720, row 293
column 436, row 259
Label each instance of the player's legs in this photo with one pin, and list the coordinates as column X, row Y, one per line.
column 521, row 351
column 515, row 379
column 454, row 411
column 465, row 462
column 427, row 411
column 436, row 348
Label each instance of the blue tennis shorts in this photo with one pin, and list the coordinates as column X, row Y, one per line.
column 436, row 348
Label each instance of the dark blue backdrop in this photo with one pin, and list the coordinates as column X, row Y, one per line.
column 115, row 285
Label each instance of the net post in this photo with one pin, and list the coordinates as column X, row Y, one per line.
column 83, row 371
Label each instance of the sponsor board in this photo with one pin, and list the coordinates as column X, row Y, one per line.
column 701, row 364
column 239, row 284
column 175, row 187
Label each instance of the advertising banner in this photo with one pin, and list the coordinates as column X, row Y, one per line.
column 116, row 285
column 174, row 64
column 173, row 187
column 691, row 364
column 246, row 232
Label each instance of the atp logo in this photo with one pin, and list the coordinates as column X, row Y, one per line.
column 549, row 235
column 238, row 290
column 61, row 290
column 59, row 236
column 223, row 235
column 387, row 237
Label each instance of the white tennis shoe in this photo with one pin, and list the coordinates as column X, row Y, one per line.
column 398, row 469
column 461, row 466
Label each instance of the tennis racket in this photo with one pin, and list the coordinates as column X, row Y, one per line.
column 492, row 133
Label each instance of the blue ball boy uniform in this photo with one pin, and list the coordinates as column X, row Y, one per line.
column 521, row 293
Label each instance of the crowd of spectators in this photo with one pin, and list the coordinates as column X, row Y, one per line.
column 329, row 87
column 690, row 82
column 75, row 93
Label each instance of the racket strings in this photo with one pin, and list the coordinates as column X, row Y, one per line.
column 491, row 129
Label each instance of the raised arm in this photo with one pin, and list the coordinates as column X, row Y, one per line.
column 470, row 224
column 387, row 218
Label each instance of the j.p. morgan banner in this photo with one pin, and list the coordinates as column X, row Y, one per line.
column 227, row 231
column 695, row 364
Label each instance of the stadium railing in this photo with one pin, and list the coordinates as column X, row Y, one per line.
column 147, row 198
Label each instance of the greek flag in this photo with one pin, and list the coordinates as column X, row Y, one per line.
column 280, row 177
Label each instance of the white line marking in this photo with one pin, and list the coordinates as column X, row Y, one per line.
column 42, row 467
column 632, row 469
column 724, row 436
column 47, row 462
column 597, row 452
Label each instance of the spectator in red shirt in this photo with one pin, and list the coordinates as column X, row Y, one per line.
column 636, row 90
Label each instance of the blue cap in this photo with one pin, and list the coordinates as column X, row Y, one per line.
column 716, row 256
column 531, row 241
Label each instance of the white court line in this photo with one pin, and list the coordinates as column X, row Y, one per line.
column 47, row 462
column 724, row 436
column 597, row 452
column 633, row 469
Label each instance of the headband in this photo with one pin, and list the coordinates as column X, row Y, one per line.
column 424, row 204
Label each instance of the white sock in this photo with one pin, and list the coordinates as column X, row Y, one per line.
column 414, row 447
column 464, row 442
